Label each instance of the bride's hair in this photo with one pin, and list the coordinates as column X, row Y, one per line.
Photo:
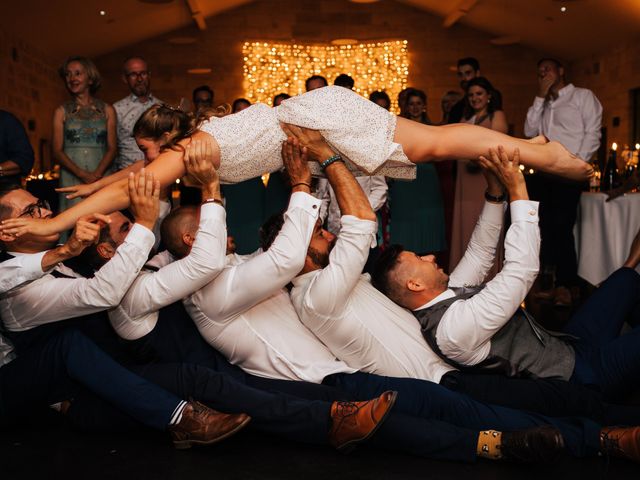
column 171, row 125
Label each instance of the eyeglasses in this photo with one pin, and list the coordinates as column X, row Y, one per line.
column 34, row 210
column 132, row 75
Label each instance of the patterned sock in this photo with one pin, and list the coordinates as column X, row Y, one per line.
column 489, row 443
column 177, row 413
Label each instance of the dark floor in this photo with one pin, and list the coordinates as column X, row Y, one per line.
column 51, row 450
column 57, row 453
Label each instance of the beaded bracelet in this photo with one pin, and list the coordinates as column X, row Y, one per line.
column 300, row 183
column 330, row 160
column 493, row 198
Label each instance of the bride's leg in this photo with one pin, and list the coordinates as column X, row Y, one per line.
column 425, row 143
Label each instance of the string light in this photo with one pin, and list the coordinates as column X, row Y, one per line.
column 272, row 68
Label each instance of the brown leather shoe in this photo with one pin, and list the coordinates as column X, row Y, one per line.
column 623, row 442
column 201, row 425
column 354, row 422
column 533, row 445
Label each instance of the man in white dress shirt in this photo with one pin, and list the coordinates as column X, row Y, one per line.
column 136, row 75
column 482, row 326
column 573, row 117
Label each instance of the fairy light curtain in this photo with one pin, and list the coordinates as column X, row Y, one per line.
column 272, row 68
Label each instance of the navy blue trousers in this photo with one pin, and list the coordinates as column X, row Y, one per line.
column 60, row 367
column 427, row 400
column 604, row 358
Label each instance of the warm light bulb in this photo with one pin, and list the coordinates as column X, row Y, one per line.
column 563, row 9
column 637, row 146
column 614, row 146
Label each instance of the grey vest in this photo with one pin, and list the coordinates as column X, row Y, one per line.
column 521, row 348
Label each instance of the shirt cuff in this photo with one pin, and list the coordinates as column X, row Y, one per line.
column 493, row 212
column 33, row 263
column 212, row 211
column 141, row 236
column 538, row 103
column 305, row 201
column 358, row 226
column 524, row 211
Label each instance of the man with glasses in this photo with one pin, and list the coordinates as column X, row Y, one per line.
column 135, row 73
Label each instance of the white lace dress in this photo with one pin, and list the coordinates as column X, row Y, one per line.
column 250, row 141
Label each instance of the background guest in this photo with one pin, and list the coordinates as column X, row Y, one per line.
column 203, row 97
column 84, row 128
column 279, row 98
column 417, row 216
column 573, row 117
column 315, row 81
column 136, row 75
column 467, row 68
column 448, row 101
column 344, row 80
column 240, row 104
column 482, row 108
column 16, row 154
column 381, row 98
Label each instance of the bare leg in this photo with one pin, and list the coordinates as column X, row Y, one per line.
column 425, row 143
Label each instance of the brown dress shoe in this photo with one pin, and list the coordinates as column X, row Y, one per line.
column 534, row 445
column 201, row 425
column 354, row 422
column 623, row 442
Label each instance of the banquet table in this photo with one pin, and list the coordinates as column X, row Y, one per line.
column 604, row 232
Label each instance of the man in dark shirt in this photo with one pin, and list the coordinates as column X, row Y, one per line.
column 16, row 154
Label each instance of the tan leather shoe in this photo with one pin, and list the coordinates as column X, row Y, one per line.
column 623, row 442
column 201, row 425
column 355, row 422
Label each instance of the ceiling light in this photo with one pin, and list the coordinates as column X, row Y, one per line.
column 199, row 71
column 344, row 41
column 102, row 13
column 563, row 9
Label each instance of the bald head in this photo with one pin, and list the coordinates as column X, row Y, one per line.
column 179, row 229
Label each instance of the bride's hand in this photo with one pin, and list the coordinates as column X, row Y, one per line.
column 82, row 190
column 21, row 226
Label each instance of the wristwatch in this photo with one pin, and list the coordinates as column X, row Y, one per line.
column 495, row 199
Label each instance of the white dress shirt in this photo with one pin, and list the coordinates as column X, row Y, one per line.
column 50, row 299
column 359, row 324
column 20, row 269
column 246, row 313
column 465, row 331
column 574, row 119
column 375, row 188
column 137, row 313
column 128, row 111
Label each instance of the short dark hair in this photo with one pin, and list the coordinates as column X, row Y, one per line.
column 472, row 61
column 555, row 61
column 281, row 97
column 344, row 80
column 379, row 95
column 172, row 226
column 237, row 102
column 5, row 188
column 312, row 78
column 202, row 88
column 270, row 230
column 383, row 266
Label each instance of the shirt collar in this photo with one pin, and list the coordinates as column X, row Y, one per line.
column 135, row 99
column 566, row 90
column 448, row 293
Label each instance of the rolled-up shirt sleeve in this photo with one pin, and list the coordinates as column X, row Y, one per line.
column 533, row 122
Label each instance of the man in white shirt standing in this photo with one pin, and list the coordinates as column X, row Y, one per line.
column 482, row 326
column 136, row 75
column 573, row 117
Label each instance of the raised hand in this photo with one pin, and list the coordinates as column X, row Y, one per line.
column 295, row 160
column 507, row 170
column 198, row 162
column 317, row 149
column 144, row 193
column 85, row 233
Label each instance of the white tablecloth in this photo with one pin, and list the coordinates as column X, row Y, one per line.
column 604, row 232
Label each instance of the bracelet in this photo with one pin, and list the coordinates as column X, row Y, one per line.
column 300, row 183
column 213, row 200
column 495, row 199
column 335, row 158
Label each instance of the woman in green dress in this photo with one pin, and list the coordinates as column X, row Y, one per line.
column 417, row 215
column 84, row 128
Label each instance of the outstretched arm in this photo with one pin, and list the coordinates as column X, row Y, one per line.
column 168, row 167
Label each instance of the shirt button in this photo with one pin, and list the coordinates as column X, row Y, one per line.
column 315, row 206
column 532, row 212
